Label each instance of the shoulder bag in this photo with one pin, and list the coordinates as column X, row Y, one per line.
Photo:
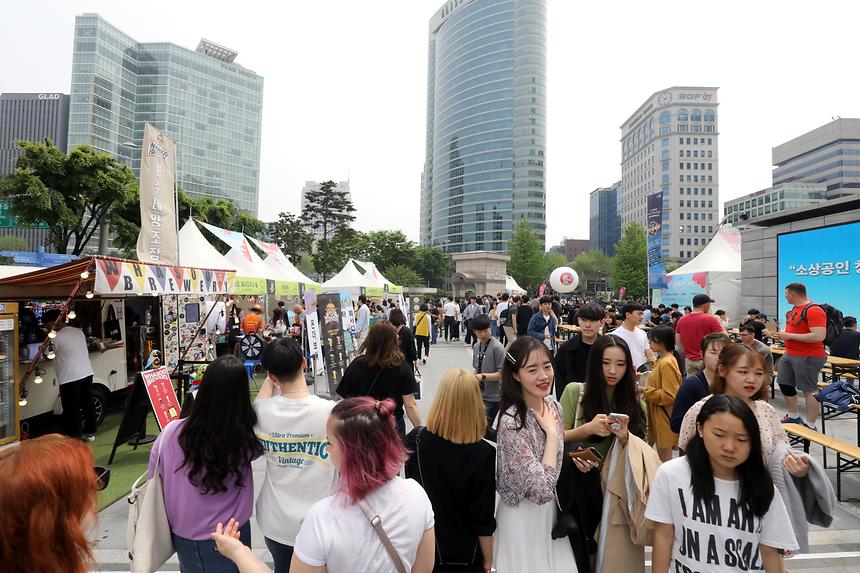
column 376, row 522
column 148, row 532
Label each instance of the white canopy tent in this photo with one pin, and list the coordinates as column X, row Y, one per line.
column 512, row 287
column 196, row 251
column 280, row 264
column 371, row 273
column 349, row 278
column 720, row 260
column 248, row 263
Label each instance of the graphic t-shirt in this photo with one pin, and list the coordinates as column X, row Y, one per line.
column 795, row 324
column 718, row 537
column 299, row 469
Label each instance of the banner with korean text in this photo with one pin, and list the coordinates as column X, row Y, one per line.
column 156, row 242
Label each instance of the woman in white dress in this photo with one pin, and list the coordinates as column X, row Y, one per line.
column 529, row 461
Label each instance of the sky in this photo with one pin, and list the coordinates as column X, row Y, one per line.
column 345, row 84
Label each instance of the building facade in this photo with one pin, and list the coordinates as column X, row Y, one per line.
column 603, row 222
column 315, row 186
column 670, row 144
column 774, row 200
column 486, row 124
column 31, row 117
column 829, row 154
column 210, row 105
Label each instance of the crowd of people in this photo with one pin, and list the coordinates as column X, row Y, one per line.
column 540, row 457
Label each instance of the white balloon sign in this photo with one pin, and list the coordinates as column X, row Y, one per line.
column 564, row 280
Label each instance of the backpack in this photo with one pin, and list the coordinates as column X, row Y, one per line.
column 835, row 321
column 839, row 394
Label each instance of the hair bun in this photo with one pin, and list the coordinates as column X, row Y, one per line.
column 385, row 408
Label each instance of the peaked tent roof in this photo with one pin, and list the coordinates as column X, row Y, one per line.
column 371, row 273
column 348, row 277
column 511, row 285
column 721, row 255
column 278, row 261
column 196, row 251
column 248, row 263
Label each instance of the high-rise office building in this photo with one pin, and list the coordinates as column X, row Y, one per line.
column 776, row 199
column 670, row 144
column 603, row 219
column 31, row 117
column 486, row 124
column 827, row 155
column 315, row 186
column 210, row 105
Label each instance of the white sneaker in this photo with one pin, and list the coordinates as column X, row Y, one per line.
column 89, row 437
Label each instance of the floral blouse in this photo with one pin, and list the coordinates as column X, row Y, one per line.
column 770, row 427
column 520, row 471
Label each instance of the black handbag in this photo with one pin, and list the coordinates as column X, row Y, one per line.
column 111, row 326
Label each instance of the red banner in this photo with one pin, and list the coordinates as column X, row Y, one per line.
column 164, row 402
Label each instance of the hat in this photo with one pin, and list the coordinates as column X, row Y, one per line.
column 257, row 307
column 701, row 300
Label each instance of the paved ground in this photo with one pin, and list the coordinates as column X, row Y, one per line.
column 834, row 549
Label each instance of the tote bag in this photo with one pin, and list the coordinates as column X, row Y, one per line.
column 148, row 533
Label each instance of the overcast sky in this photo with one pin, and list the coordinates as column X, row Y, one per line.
column 345, row 84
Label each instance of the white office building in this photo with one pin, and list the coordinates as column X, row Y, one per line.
column 670, row 144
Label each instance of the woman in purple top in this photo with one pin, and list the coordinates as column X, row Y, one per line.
column 205, row 464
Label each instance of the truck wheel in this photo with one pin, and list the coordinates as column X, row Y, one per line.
column 100, row 403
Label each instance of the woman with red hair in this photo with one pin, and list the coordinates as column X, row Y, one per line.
column 47, row 501
column 336, row 535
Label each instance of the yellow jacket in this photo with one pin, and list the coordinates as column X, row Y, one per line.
column 659, row 394
column 422, row 323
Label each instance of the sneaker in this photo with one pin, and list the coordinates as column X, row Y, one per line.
column 89, row 437
column 789, row 420
column 423, row 361
column 809, row 425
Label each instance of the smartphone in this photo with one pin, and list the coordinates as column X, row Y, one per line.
column 624, row 417
column 591, row 454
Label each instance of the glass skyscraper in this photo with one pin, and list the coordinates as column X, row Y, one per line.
column 486, row 124
column 211, row 107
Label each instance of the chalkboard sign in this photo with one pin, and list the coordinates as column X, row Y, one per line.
column 133, row 424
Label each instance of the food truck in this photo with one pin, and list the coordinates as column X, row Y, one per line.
column 127, row 309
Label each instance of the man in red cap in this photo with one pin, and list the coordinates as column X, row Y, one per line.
column 692, row 328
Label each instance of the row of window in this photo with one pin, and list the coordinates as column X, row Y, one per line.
column 695, row 179
column 695, row 165
column 695, row 190
column 694, row 203
column 683, row 115
column 695, row 141
column 695, row 153
column 695, row 128
column 695, row 216
column 694, row 241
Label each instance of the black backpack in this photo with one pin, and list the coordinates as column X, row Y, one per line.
column 835, row 321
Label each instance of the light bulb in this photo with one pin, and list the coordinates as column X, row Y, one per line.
column 72, row 315
column 89, row 294
column 85, row 275
column 50, row 355
column 37, row 380
column 22, row 402
column 52, row 334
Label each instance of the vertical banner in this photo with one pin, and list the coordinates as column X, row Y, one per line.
column 656, row 266
column 159, row 388
column 312, row 326
column 158, row 235
column 334, row 349
column 347, row 313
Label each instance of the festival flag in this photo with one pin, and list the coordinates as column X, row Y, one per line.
column 156, row 242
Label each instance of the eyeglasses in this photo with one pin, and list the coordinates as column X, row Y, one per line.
column 102, row 478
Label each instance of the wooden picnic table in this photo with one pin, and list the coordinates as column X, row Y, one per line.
column 842, row 363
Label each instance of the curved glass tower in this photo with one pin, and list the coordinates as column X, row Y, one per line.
column 486, row 118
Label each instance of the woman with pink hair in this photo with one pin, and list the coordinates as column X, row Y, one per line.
column 337, row 534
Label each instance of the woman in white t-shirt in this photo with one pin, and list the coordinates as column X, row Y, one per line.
column 716, row 509
column 336, row 535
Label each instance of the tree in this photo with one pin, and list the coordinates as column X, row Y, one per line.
column 630, row 265
column 592, row 265
column 12, row 244
column 290, row 234
column 403, row 276
column 434, row 266
column 347, row 243
column 527, row 264
column 326, row 212
column 390, row 248
column 554, row 260
column 71, row 193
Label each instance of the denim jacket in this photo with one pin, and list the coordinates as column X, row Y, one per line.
column 537, row 324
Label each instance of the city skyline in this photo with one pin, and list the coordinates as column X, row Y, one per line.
column 328, row 113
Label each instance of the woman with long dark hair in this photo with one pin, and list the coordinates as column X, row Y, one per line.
column 205, row 463
column 660, row 391
column 381, row 371
column 404, row 334
column 530, row 449
column 720, row 494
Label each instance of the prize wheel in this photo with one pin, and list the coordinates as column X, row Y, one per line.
column 251, row 347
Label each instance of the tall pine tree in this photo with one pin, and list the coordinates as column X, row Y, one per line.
column 630, row 264
column 326, row 212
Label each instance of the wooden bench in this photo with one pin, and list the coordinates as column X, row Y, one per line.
column 847, row 455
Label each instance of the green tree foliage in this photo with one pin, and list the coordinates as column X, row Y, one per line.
column 630, row 265
column 403, row 276
column 434, row 266
column 554, row 260
column 592, row 265
column 390, row 248
column 347, row 243
column 12, row 244
column 527, row 264
column 125, row 219
column 326, row 212
column 291, row 234
column 69, row 193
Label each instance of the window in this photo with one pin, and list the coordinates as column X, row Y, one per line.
column 689, row 240
column 695, row 141
column 696, row 115
column 680, row 165
column 710, row 178
column 683, row 127
column 665, row 166
column 710, row 154
column 710, row 166
column 709, row 115
column 682, row 216
column 681, row 241
column 688, row 141
column 688, row 166
column 665, row 142
column 709, row 141
column 710, row 216
column 696, row 128
column 709, row 128
column 682, row 115
column 711, row 204
column 664, row 130
column 695, row 216
column 695, row 153
column 681, row 140
column 665, row 154
column 664, row 118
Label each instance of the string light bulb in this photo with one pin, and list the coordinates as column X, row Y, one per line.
column 85, row 275
column 90, row 294
column 52, row 334
column 22, row 401
column 37, row 380
column 50, row 355
column 72, row 315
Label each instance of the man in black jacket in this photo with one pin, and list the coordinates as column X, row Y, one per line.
column 572, row 357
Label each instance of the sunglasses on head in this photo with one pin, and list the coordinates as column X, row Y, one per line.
column 102, row 477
